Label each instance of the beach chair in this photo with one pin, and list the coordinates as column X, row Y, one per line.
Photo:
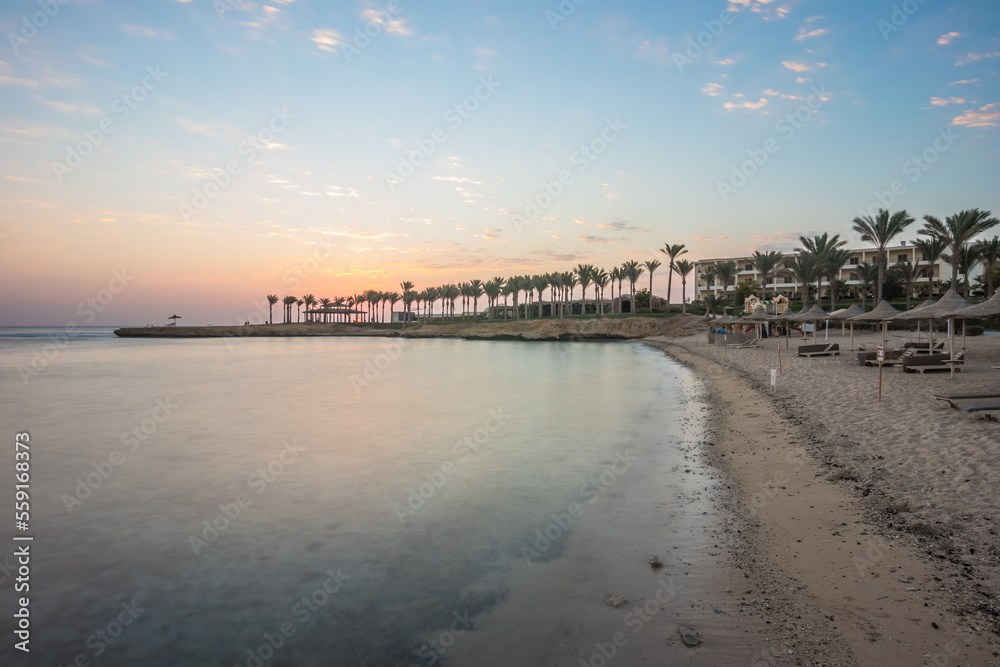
column 819, row 350
column 979, row 405
column 952, row 399
column 745, row 345
column 932, row 362
column 897, row 357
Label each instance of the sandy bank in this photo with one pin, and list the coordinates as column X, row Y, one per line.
column 871, row 524
column 624, row 328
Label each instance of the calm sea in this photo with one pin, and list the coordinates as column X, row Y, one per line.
column 340, row 501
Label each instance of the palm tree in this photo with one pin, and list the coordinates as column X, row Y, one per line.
column 406, row 286
column 709, row 275
column 325, row 303
column 908, row 273
column 271, row 300
column 967, row 260
column 651, row 266
column 867, row 277
column 541, row 283
column 288, row 301
column 683, row 267
column 298, row 313
column 821, row 246
column 570, row 281
column 766, row 264
column 476, row 292
column 428, row 296
column 931, row 248
column 673, row 252
column 989, row 256
column 633, row 271
column 803, row 267
column 374, row 298
column 409, row 296
column 711, row 303
column 601, row 278
column 615, row 275
column 881, row 230
column 392, row 298
column 585, row 274
column 957, row 230
column 834, row 260
column 309, row 300
column 356, row 301
column 726, row 272
column 492, row 290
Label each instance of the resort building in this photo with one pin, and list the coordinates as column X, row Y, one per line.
column 781, row 281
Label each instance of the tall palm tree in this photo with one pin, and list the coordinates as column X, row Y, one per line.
column 881, row 230
column 298, row 312
column 989, row 256
column 392, row 298
column 767, row 264
column 601, row 278
column 651, row 266
column 356, row 301
column 541, row 283
column 325, row 303
column 821, row 246
column 967, row 261
column 406, row 286
column 683, row 267
column 409, row 296
column 709, row 275
column 726, row 272
column 908, row 273
column 803, row 267
column 867, row 277
column 288, row 301
column 633, row 271
column 570, row 281
column 673, row 252
column 429, row 296
column 373, row 298
column 585, row 274
column 832, row 263
column 957, row 230
column 476, row 293
column 615, row 275
column 931, row 249
column 492, row 290
column 271, row 300
column 309, row 300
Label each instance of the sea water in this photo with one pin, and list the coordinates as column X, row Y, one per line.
column 338, row 501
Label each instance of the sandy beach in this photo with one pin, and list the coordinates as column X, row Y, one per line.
column 871, row 524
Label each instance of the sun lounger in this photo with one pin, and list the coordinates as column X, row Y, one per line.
column 924, row 348
column 819, row 350
column 892, row 357
column 952, row 399
column 978, row 406
column 932, row 362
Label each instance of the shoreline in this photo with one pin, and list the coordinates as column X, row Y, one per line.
column 837, row 585
column 546, row 329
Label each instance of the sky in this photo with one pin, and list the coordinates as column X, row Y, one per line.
column 191, row 157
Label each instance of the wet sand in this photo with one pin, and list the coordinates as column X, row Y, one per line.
column 870, row 525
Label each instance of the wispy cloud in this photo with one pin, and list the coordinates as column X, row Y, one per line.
column 621, row 225
column 944, row 101
column 796, row 65
column 973, row 57
column 807, row 30
column 963, row 81
column 759, row 104
column 712, row 89
column 596, row 239
column 392, row 25
column 327, row 39
column 948, row 38
column 73, row 108
column 985, row 116
column 364, row 235
column 146, row 31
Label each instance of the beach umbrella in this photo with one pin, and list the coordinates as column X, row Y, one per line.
column 813, row 315
column 845, row 315
column 988, row 308
column 949, row 302
column 174, row 318
column 883, row 313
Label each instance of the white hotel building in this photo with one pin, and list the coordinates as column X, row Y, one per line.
column 782, row 281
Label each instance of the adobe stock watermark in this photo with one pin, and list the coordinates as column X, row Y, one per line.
column 301, row 610
column 469, row 445
column 121, row 108
column 454, row 116
column 30, row 25
column 697, row 44
column 635, row 620
column 582, row 158
column 898, row 17
column 101, row 639
column 434, row 649
column 222, row 178
column 88, row 309
column 134, row 438
column 914, row 167
column 260, row 481
column 376, row 24
column 374, row 366
column 591, row 490
column 563, row 11
column 785, row 127
column 223, row 7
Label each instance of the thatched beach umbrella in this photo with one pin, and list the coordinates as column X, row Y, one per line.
column 174, row 318
column 883, row 313
column 845, row 315
column 949, row 302
column 814, row 314
column 987, row 308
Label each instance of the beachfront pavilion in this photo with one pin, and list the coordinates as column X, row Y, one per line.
column 332, row 314
column 781, row 280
